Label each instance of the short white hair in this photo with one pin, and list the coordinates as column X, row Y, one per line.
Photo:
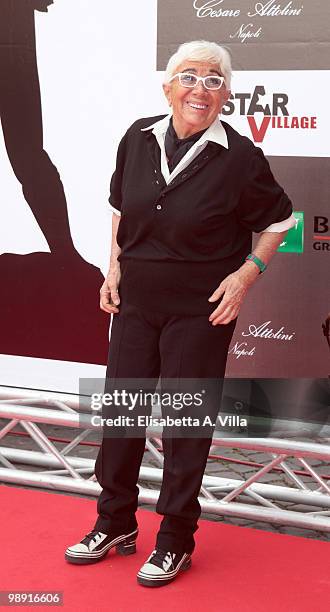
column 201, row 51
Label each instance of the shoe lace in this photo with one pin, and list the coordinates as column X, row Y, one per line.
column 159, row 557
column 91, row 536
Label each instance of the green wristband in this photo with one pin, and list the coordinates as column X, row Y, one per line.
column 261, row 265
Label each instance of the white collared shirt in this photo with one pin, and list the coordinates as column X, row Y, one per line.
column 214, row 133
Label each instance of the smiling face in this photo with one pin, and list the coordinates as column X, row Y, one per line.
column 194, row 109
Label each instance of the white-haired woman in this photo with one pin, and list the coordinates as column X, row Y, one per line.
column 187, row 193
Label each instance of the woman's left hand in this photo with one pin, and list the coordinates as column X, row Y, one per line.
column 233, row 288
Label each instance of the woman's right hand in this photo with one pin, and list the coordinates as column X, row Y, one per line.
column 109, row 296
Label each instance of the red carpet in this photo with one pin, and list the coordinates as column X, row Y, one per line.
column 234, row 569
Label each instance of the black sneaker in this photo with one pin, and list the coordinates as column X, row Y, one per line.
column 96, row 545
column 162, row 567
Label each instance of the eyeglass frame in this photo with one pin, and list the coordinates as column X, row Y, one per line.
column 199, row 78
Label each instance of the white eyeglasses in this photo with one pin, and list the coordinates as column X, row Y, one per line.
column 186, row 79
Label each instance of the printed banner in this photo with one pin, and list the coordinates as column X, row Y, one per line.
column 73, row 78
column 280, row 57
column 269, row 35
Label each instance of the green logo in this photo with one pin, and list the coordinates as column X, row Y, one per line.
column 294, row 240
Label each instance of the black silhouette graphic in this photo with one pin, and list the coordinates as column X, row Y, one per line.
column 326, row 329
column 21, row 119
column 49, row 302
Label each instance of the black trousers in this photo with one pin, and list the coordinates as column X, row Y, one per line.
column 148, row 345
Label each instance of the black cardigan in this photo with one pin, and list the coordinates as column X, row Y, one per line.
column 179, row 241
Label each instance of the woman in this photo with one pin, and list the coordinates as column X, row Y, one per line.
column 187, row 193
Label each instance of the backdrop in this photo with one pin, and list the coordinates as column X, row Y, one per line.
column 65, row 103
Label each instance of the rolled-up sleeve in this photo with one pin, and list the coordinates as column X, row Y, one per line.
column 282, row 226
column 41, row 5
column 263, row 205
column 115, row 198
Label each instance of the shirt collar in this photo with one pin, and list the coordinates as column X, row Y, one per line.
column 214, row 133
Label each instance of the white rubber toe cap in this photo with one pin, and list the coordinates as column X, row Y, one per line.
column 81, row 548
column 151, row 570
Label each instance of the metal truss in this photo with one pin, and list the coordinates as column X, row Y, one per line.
column 249, row 499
